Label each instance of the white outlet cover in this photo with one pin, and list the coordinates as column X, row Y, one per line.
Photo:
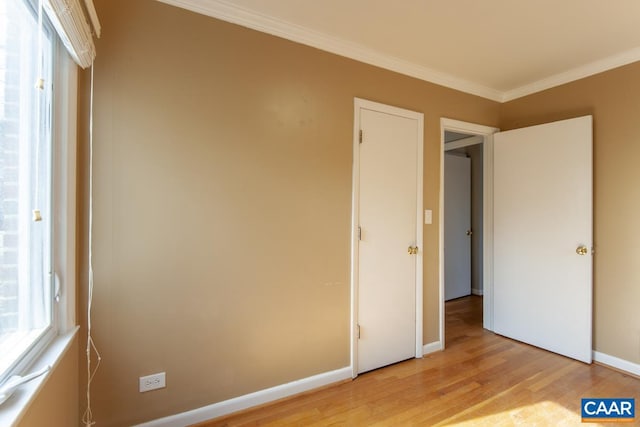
column 153, row 382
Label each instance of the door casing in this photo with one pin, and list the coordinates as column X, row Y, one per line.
column 359, row 104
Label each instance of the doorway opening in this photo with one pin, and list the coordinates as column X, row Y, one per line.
column 463, row 215
column 463, row 237
column 466, row 248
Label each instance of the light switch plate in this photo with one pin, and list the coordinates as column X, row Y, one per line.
column 428, row 216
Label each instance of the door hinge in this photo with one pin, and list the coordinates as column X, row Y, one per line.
column 358, row 329
column 360, row 136
column 359, row 233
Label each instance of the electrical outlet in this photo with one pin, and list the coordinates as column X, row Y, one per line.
column 152, row 382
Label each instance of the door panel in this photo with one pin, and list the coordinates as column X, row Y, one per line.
column 542, row 214
column 387, row 217
column 457, row 221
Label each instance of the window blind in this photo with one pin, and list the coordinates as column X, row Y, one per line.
column 69, row 18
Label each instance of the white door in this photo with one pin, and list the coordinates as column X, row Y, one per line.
column 543, row 236
column 457, row 226
column 389, row 159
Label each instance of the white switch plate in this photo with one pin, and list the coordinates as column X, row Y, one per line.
column 152, row 382
column 428, row 216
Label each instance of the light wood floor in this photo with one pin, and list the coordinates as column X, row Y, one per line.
column 481, row 379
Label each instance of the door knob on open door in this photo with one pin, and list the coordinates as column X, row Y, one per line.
column 412, row 250
column 469, row 233
column 582, row 250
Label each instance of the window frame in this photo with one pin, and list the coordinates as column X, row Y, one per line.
column 38, row 339
column 48, row 349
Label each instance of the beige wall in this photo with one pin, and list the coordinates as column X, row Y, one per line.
column 56, row 405
column 222, row 205
column 222, row 208
column 613, row 98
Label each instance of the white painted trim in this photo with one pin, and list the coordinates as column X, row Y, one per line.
column 432, row 347
column 358, row 104
column 574, row 74
column 250, row 400
column 617, row 363
column 15, row 408
column 487, row 231
column 441, row 237
column 267, row 24
column 65, row 177
column 486, row 132
column 295, row 387
column 51, row 347
column 355, row 254
column 461, row 143
column 419, row 238
column 245, row 17
column 459, row 126
column 476, row 291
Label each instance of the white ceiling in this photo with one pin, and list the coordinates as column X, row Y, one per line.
column 497, row 49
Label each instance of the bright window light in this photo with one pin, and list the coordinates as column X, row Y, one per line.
column 26, row 282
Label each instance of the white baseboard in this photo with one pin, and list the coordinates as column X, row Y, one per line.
column 432, row 347
column 476, row 291
column 615, row 362
column 299, row 386
column 249, row 400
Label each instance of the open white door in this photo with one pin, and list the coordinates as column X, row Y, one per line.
column 457, row 226
column 542, row 236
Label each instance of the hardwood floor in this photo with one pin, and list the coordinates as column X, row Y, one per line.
column 481, row 379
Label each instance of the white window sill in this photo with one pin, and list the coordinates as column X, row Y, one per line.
column 15, row 407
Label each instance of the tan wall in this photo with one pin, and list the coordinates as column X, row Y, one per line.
column 222, row 205
column 613, row 98
column 56, row 405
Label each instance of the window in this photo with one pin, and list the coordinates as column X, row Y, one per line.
column 26, row 170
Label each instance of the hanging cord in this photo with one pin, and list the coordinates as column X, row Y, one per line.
column 87, row 418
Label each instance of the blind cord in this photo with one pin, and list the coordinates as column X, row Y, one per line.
column 87, row 418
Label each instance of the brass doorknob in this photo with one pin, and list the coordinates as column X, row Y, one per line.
column 412, row 250
column 582, row 250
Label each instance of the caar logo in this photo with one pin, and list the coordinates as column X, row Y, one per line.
column 608, row 410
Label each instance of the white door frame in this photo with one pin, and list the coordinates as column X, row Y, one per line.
column 486, row 132
column 359, row 103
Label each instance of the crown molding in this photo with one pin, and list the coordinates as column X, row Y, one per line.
column 574, row 74
column 234, row 14
column 266, row 24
